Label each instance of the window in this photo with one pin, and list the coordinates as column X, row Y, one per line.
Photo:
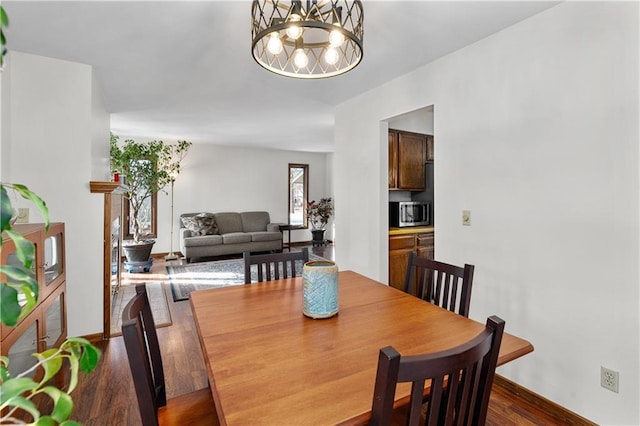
column 298, row 191
column 148, row 215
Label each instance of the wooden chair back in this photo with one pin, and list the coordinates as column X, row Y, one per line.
column 273, row 266
column 442, row 284
column 461, row 380
column 145, row 359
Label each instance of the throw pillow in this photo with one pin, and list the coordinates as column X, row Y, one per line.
column 201, row 224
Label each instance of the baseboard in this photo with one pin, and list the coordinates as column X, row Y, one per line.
column 94, row 338
column 161, row 256
column 308, row 243
column 568, row 417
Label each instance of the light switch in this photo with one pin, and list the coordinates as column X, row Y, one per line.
column 23, row 215
column 466, row 217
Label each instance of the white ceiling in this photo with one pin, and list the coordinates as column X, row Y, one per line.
column 183, row 69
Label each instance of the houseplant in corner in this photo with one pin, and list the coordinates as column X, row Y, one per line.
column 146, row 168
column 19, row 392
column 319, row 214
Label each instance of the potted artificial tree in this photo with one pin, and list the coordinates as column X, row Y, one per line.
column 319, row 214
column 146, row 168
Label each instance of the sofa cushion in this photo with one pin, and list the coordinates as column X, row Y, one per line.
column 200, row 224
column 254, row 221
column 265, row 236
column 236, row 238
column 228, row 222
column 203, row 241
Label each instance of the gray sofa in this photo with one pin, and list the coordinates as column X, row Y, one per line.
column 216, row 234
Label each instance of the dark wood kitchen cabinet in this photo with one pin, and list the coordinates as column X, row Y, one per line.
column 407, row 157
column 393, row 159
column 399, row 248
column 400, row 245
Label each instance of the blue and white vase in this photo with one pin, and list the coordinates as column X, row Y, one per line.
column 320, row 289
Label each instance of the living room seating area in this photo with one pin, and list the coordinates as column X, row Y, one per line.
column 216, row 234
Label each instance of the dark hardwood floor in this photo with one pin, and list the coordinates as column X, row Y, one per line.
column 106, row 397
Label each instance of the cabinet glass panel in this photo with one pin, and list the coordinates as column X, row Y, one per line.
column 20, row 358
column 12, row 260
column 52, row 257
column 54, row 325
column 115, row 255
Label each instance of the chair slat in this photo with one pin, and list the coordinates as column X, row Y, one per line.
column 275, row 265
column 442, row 284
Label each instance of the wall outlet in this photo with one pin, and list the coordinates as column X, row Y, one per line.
column 609, row 379
column 23, row 215
column 466, row 217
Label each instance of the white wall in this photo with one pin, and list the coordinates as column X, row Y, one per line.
column 47, row 143
column 100, row 155
column 221, row 178
column 418, row 121
column 536, row 132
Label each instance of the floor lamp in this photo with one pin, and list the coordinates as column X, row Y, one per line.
column 171, row 255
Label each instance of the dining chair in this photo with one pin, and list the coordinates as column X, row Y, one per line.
column 460, row 387
column 273, row 266
column 442, row 284
column 145, row 362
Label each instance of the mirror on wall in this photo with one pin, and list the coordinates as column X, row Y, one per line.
column 298, row 192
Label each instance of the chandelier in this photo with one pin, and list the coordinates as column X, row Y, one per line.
column 307, row 39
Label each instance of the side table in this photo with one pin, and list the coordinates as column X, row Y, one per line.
column 286, row 227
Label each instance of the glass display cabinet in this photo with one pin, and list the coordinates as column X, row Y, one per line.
column 46, row 325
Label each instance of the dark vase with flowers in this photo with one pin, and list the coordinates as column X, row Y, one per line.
column 319, row 214
column 318, row 237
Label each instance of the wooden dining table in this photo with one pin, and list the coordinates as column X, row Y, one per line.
column 268, row 364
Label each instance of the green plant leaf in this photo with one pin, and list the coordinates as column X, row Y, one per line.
column 9, row 306
column 18, row 274
column 88, row 354
column 6, row 210
column 62, row 403
column 25, row 250
column 24, row 404
column 45, row 421
column 90, row 358
column 50, row 363
column 74, row 365
column 4, row 369
column 31, row 298
column 14, row 388
column 4, row 18
column 35, row 199
column 22, row 282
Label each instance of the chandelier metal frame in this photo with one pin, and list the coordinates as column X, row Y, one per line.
column 327, row 34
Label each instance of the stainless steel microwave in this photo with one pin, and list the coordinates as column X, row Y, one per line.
column 409, row 213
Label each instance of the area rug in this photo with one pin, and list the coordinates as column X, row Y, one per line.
column 206, row 275
column 157, row 300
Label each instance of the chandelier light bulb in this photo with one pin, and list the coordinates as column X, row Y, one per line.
column 336, row 38
column 294, row 31
column 331, row 56
column 275, row 44
column 300, row 59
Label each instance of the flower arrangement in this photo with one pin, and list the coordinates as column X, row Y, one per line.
column 319, row 213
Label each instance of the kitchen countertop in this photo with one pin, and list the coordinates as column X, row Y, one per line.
column 411, row 230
